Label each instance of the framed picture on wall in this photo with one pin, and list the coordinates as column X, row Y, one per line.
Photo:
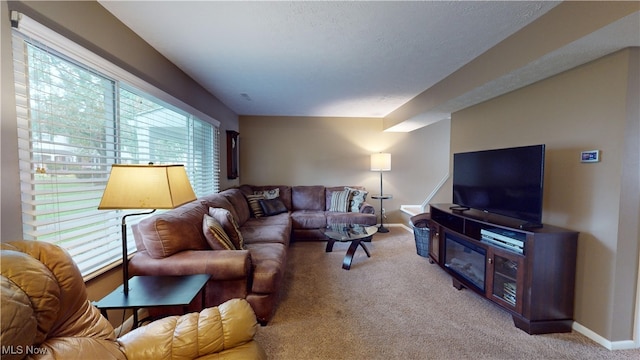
column 232, row 154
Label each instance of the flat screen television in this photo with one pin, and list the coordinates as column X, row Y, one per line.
column 505, row 181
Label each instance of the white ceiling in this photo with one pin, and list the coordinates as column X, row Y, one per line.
column 342, row 59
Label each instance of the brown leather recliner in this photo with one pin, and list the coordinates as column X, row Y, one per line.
column 46, row 315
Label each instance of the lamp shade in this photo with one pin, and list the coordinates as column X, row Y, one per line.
column 381, row 162
column 146, row 187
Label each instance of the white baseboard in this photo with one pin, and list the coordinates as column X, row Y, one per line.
column 403, row 226
column 611, row 345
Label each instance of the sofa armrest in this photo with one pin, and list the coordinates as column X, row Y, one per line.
column 367, row 208
column 220, row 264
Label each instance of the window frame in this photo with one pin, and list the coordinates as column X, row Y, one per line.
column 31, row 31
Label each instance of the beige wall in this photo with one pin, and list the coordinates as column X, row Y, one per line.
column 582, row 109
column 336, row 151
column 89, row 24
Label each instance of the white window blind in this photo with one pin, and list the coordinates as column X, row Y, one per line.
column 77, row 115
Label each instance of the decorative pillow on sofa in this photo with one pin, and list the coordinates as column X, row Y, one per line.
column 230, row 226
column 358, row 197
column 215, row 234
column 254, row 204
column 340, row 200
column 268, row 194
column 272, row 207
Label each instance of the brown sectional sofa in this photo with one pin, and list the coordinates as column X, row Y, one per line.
column 174, row 242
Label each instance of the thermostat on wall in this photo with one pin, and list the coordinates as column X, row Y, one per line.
column 590, row 156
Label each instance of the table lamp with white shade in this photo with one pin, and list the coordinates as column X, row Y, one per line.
column 144, row 187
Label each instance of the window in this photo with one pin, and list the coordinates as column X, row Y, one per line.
column 77, row 115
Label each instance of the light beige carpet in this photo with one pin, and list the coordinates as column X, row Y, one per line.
column 395, row 305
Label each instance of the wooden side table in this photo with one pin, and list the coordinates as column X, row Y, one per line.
column 382, row 229
column 155, row 291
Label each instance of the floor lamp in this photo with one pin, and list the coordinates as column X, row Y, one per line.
column 381, row 162
column 144, row 187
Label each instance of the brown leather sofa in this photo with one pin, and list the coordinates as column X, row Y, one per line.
column 175, row 242
column 46, row 315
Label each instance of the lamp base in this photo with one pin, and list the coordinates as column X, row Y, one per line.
column 382, row 229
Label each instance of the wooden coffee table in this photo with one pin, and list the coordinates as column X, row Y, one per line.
column 355, row 233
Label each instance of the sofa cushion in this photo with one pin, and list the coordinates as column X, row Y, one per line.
column 230, row 226
column 240, row 204
column 266, row 234
column 350, row 218
column 340, row 201
column 308, row 198
column 272, row 207
column 215, row 234
column 174, row 231
column 308, row 219
column 268, row 261
column 280, row 219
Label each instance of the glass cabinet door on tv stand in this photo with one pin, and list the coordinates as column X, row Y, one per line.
column 434, row 243
column 505, row 275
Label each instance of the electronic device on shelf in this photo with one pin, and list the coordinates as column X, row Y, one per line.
column 509, row 240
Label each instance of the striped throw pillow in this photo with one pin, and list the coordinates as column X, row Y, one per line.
column 215, row 234
column 340, row 201
column 254, row 204
column 230, row 226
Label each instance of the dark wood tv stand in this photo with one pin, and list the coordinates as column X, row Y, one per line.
column 536, row 287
